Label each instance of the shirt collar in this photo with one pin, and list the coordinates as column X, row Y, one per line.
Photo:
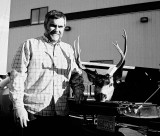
column 45, row 38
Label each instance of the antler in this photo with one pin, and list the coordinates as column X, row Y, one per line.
column 104, row 84
column 112, row 70
column 77, row 52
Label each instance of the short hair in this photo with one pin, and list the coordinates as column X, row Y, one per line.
column 54, row 14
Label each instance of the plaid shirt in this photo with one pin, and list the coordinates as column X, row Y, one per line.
column 40, row 76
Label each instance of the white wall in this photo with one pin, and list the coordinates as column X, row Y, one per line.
column 97, row 34
column 4, row 32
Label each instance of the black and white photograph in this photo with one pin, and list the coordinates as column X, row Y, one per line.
column 80, row 68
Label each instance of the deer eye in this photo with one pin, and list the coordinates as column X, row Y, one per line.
column 107, row 76
column 99, row 81
column 107, row 81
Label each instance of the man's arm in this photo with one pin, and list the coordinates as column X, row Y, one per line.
column 77, row 85
column 17, row 79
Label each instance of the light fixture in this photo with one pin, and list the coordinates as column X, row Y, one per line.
column 144, row 19
column 67, row 28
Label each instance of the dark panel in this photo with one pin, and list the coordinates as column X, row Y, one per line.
column 140, row 83
column 20, row 23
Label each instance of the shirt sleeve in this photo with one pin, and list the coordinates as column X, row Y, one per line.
column 18, row 75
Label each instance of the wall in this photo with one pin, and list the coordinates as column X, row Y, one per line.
column 67, row 6
column 98, row 33
column 4, row 32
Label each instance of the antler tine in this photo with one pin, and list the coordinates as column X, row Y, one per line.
column 77, row 52
column 125, row 42
column 112, row 70
column 74, row 49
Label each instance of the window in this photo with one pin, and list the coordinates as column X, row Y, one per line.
column 38, row 15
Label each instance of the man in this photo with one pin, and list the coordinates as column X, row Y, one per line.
column 43, row 71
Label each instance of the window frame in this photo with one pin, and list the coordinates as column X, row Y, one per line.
column 39, row 16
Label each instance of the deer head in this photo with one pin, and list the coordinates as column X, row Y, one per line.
column 104, row 84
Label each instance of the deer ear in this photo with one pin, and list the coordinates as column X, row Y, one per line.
column 91, row 75
column 96, row 72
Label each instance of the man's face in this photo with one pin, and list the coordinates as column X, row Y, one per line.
column 55, row 29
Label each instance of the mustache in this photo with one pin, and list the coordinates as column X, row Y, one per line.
column 53, row 32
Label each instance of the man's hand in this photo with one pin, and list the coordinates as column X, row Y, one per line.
column 21, row 116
